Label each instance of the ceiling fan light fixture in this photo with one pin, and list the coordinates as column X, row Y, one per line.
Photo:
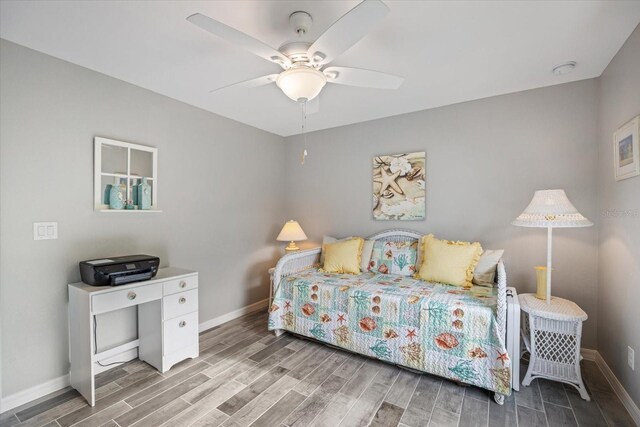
column 301, row 83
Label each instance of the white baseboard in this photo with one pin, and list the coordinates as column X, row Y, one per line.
column 36, row 392
column 208, row 324
column 620, row 391
column 589, row 354
column 33, row 393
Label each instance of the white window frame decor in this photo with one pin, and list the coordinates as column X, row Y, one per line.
column 98, row 204
column 631, row 130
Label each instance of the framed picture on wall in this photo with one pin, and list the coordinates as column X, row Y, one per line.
column 399, row 191
column 626, row 150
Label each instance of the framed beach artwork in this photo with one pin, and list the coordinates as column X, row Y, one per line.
column 399, row 186
column 626, row 150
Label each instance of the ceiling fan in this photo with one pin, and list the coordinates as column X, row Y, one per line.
column 305, row 72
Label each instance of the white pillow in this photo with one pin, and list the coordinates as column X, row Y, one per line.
column 367, row 249
column 485, row 272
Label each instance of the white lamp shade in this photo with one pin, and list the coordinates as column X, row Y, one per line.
column 551, row 208
column 301, row 84
column 291, row 232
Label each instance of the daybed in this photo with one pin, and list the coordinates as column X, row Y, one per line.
column 444, row 330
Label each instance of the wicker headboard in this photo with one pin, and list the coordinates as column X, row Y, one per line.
column 396, row 236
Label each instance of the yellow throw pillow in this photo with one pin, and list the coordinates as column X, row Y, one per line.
column 343, row 256
column 448, row 262
column 329, row 239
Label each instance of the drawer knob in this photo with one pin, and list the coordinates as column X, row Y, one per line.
column 131, row 295
column 182, row 300
column 183, row 284
column 182, row 324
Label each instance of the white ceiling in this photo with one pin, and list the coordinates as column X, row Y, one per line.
column 448, row 52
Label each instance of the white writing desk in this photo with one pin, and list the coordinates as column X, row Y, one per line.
column 167, row 323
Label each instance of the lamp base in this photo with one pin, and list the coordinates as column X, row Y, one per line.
column 292, row 247
column 541, row 279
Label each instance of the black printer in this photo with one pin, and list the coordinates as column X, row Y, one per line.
column 119, row 270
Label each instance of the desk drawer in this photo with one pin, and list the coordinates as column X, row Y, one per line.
column 125, row 298
column 180, row 285
column 179, row 332
column 178, row 304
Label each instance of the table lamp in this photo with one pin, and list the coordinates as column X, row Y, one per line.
column 551, row 209
column 292, row 233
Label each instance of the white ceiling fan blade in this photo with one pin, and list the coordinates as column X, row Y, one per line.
column 313, row 106
column 248, row 84
column 239, row 38
column 347, row 31
column 362, row 78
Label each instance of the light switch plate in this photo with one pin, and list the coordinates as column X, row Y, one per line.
column 45, row 230
column 631, row 358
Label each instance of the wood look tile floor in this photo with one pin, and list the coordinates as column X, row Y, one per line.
column 247, row 377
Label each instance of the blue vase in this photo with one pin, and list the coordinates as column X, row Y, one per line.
column 116, row 197
column 134, row 194
column 144, row 194
column 107, row 194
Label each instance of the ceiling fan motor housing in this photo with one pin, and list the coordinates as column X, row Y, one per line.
column 296, row 52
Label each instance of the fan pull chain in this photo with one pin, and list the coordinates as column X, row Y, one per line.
column 304, row 134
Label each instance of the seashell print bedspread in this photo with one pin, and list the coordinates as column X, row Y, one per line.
column 443, row 330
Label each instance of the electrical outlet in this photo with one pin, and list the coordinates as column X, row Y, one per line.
column 630, row 358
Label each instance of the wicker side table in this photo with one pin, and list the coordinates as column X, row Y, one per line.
column 552, row 334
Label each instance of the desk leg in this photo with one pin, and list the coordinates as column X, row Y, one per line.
column 150, row 334
column 81, row 344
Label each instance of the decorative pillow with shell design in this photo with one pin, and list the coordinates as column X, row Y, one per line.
column 394, row 258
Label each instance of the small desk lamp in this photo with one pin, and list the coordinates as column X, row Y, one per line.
column 551, row 209
column 292, row 233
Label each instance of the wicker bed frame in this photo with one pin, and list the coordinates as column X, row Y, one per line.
column 298, row 261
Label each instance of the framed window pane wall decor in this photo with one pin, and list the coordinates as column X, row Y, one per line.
column 125, row 176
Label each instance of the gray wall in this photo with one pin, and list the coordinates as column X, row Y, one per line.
column 619, row 255
column 219, row 191
column 485, row 159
